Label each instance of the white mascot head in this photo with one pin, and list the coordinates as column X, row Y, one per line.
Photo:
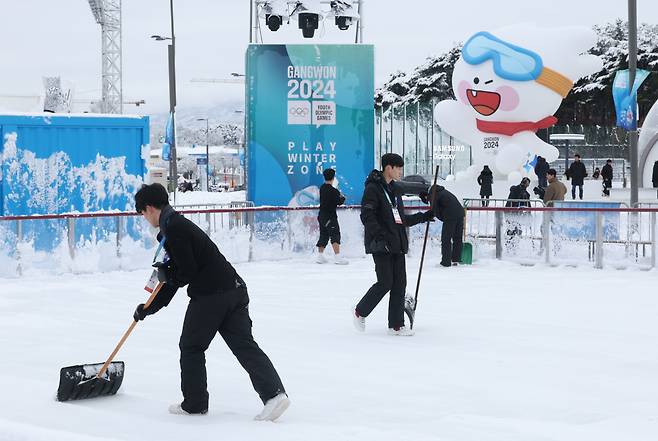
column 508, row 85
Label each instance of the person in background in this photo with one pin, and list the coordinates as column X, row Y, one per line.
column 450, row 211
column 555, row 190
column 485, row 180
column 330, row 199
column 517, row 193
column 577, row 173
column 597, row 173
column 606, row 174
column 541, row 168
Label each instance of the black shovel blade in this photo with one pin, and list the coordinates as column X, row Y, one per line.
column 80, row 381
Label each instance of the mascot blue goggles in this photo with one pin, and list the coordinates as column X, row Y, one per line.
column 510, row 62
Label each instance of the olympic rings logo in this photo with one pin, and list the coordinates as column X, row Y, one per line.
column 298, row 111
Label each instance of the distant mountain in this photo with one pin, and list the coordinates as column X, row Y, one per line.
column 226, row 125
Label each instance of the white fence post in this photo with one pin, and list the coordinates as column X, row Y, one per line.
column 19, row 239
column 71, row 236
column 599, row 241
column 119, row 224
column 499, row 234
column 546, row 231
column 654, row 242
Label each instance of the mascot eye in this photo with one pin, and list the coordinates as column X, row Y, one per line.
column 476, row 80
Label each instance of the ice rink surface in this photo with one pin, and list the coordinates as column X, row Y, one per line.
column 501, row 352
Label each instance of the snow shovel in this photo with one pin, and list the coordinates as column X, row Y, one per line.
column 467, row 247
column 98, row 379
column 410, row 303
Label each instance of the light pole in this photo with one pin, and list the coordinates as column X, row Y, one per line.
column 632, row 68
column 207, row 153
column 171, row 52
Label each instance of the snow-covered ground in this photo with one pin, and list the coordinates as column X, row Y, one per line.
column 502, row 352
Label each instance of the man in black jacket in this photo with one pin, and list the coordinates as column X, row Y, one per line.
column 519, row 193
column 577, row 174
column 385, row 237
column 606, row 174
column 218, row 303
column 330, row 199
column 450, row 211
column 541, row 168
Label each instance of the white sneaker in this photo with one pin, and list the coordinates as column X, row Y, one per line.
column 274, row 408
column 340, row 260
column 403, row 331
column 320, row 258
column 359, row 322
column 176, row 409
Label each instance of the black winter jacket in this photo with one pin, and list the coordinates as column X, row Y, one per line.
column 330, row 198
column 606, row 172
column 446, row 205
column 195, row 261
column 382, row 234
column 577, row 173
column 485, row 180
column 518, row 192
column 541, row 168
column 654, row 176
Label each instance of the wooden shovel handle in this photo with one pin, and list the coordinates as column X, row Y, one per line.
column 127, row 333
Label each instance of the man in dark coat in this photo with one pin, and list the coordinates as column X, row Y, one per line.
column 606, row 173
column 218, row 303
column 517, row 193
column 330, row 198
column 385, row 237
column 485, row 180
column 450, row 211
column 577, row 174
column 541, row 168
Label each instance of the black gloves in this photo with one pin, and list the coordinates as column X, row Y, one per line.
column 429, row 216
column 425, row 197
column 140, row 313
column 165, row 272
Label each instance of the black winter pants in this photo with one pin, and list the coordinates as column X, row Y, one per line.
column 391, row 276
column 228, row 314
column 451, row 241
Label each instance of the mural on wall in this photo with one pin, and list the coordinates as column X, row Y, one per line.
column 508, row 84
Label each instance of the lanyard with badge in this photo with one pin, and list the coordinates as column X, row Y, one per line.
column 394, row 209
column 153, row 280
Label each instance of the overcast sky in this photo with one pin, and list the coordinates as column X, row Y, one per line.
column 49, row 38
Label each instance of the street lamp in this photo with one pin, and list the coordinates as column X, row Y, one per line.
column 241, row 167
column 173, row 167
column 207, row 153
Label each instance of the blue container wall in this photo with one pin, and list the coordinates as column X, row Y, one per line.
column 57, row 164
